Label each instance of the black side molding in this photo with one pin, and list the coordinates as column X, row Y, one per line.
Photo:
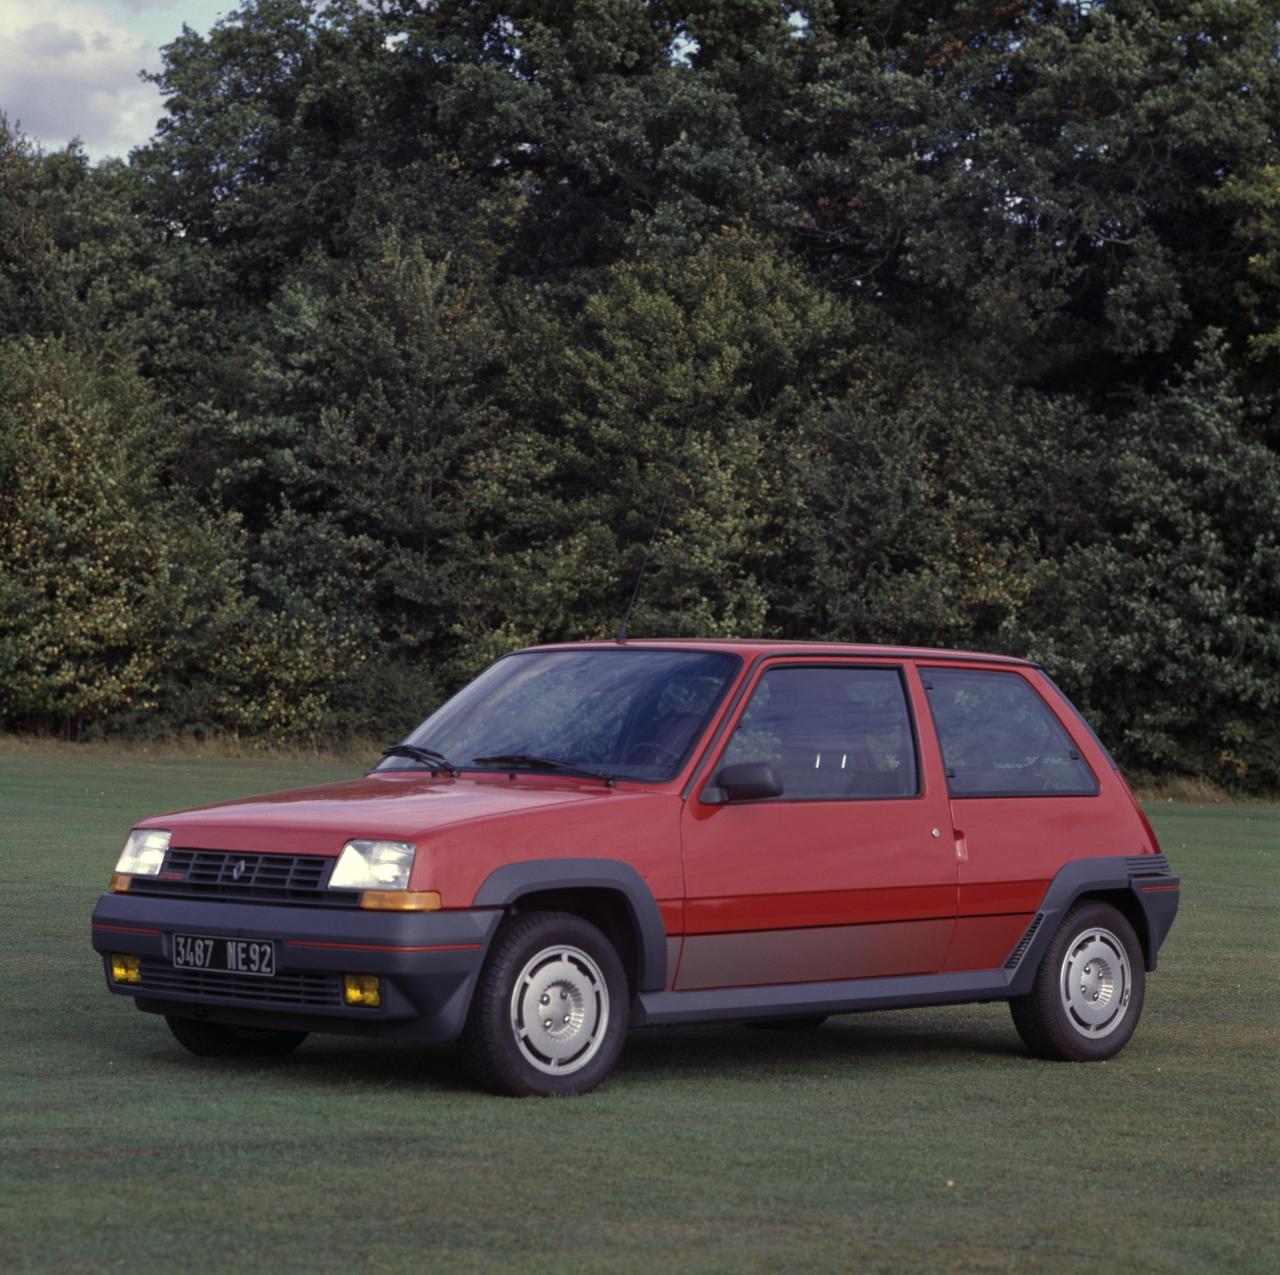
column 787, row 1000
column 506, row 885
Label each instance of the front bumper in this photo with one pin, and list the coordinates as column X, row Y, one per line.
column 427, row 963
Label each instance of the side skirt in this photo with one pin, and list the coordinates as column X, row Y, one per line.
column 848, row 996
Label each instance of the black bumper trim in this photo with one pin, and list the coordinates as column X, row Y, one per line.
column 428, row 963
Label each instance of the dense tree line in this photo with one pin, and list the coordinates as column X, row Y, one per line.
column 940, row 322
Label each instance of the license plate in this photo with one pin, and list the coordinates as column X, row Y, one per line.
column 229, row 956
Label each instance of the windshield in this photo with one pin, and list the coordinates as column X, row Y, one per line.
column 634, row 714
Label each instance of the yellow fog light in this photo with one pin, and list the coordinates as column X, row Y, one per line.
column 401, row 900
column 125, row 969
column 361, row 989
column 120, row 882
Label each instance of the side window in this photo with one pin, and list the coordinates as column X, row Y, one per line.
column 999, row 738
column 832, row 734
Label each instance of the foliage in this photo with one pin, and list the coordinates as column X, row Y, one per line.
column 941, row 322
column 28, row 260
column 1176, row 576
column 682, row 387
column 110, row 586
column 359, row 412
column 120, row 596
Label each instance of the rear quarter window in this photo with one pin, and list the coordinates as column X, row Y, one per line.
column 1000, row 739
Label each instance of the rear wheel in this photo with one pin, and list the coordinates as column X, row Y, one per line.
column 1087, row 996
column 550, row 1009
column 222, row 1040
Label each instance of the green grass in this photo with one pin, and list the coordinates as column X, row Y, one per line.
column 881, row 1143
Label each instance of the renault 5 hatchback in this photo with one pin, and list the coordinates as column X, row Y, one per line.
column 598, row 836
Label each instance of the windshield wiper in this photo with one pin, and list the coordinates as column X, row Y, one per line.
column 427, row 756
column 543, row 763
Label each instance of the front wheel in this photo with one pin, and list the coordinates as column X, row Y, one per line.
column 1087, row 996
column 550, row 1009
column 222, row 1040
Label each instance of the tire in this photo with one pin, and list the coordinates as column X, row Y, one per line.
column 1087, row 996
column 540, row 962
column 221, row 1040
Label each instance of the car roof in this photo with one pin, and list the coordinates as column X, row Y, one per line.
column 753, row 648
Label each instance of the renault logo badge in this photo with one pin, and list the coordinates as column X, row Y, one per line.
column 238, row 871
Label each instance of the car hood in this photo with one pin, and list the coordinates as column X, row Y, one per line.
column 400, row 806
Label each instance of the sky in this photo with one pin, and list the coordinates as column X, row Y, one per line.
column 69, row 68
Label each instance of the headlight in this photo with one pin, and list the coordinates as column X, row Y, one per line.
column 143, row 853
column 373, row 865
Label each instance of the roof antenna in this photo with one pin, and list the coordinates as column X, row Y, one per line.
column 657, row 526
column 648, row 553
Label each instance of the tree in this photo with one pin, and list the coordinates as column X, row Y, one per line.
column 945, row 322
column 1175, row 575
column 682, row 389
column 111, row 588
column 29, row 284
column 1048, row 179
column 362, row 407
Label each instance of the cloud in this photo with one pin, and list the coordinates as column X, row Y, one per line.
column 47, row 39
column 68, row 70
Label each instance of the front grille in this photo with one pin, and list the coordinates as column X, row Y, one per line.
column 248, row 878
column 318, row 990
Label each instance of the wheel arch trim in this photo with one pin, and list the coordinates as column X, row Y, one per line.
column 505, row 886
column 1144, row 884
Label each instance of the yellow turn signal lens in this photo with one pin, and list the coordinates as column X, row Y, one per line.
column 119, row 882
column 125, row 969
column 361, row 989
column 401, row 900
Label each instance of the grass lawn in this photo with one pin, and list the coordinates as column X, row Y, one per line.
column 884, row 1142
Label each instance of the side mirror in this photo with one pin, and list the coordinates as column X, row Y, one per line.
column 743, row 781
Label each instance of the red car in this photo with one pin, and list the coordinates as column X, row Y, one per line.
column 598, row 836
